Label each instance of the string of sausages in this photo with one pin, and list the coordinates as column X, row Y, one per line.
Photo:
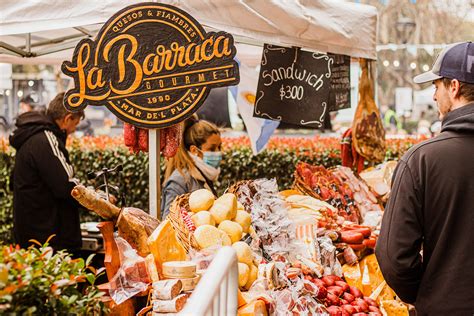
column 136, row 139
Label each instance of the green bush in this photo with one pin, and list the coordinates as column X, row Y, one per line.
column 36, row 281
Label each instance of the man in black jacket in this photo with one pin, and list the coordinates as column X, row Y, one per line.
column 43, row 178
column 425, row 247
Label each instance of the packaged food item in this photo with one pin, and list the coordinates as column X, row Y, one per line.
column 167, row 289
column 170, row 306
column 132, row 276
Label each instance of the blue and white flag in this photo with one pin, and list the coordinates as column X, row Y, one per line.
column 259, row 130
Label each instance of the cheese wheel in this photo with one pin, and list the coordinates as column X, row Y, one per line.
column 244, row 253
column 253, row 274
column 244, row 272
column 200, row 200
column 179, row 269
column 190, row 283
column 243, row 219
column 232, row 229
column 203, row 218
column 209, row 236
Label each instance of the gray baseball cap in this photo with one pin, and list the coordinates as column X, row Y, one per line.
column 456, row 61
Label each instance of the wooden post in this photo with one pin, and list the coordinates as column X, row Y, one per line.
column 154, row 172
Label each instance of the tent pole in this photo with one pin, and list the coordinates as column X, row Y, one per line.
column 154, row 172
column 28, row 43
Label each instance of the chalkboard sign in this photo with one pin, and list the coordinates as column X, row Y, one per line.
column 151, row 64
column 298, row 87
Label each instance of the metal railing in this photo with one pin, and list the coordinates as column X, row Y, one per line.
column 216, row 293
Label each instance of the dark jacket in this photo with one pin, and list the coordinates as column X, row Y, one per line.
column 432, row 208
column 42, row 184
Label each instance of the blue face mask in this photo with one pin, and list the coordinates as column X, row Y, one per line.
column 212, row 158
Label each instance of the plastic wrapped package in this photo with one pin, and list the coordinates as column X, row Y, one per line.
column 132, row 276
column 203, row 258
column 328, row 257
column 273, row 229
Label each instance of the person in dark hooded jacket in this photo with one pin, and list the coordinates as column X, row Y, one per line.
column 425, row 247
column 43, row 178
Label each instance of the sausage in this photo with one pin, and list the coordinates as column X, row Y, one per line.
column 366, row 231
column 173, row 138
column 357, row 247
column 130, row 135
column 343, row 285
column 352, row 237
column 143, row 139
column 355, row 291
column 369, row 243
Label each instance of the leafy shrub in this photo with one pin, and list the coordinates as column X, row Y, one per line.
column 36, row 281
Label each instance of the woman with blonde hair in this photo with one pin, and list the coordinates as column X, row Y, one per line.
column 196, row 163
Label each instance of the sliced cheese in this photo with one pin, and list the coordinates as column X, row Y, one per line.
column 241, row 301
column 179, row 269
column 200, row 200
column 151, row 268
column 232, row 229
column 164, row 245
column 255, row 308
column 393, row 308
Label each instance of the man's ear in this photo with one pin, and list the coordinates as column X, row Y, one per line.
column 454, row 87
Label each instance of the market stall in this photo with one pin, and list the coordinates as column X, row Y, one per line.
column 307, row 249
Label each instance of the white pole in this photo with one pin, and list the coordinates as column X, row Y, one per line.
column 154, row 172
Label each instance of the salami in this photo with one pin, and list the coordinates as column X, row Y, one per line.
column 167, row 289
column 130, row 135
column 172, row 306
column 173, row 139
column 143, row 139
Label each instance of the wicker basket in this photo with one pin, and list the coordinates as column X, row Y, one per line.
column 185, row 237
column 236, row 186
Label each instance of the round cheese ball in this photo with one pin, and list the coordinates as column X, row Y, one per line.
column 243, row 219
column 244, row 272
column 244, row 253
column 203, row 218
column 232, row 229
column 201, row 200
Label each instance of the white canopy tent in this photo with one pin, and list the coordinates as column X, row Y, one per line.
column 49, row 30
column 46, row 32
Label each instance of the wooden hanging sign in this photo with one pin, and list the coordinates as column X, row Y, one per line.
column 151, row 64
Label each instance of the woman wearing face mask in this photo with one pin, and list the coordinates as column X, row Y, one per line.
column 195, row 165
